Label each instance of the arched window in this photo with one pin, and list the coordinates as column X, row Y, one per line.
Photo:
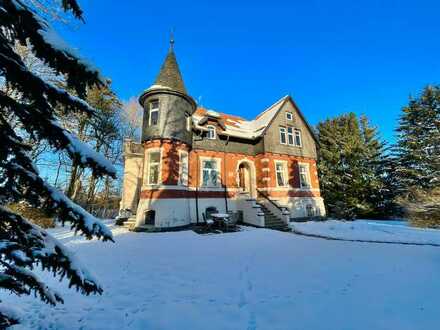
column 211, row 134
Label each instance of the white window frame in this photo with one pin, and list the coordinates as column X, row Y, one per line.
column 283, row 132
column 306, row 167
column 289, row 114
column 151, row 110
column 211, row 133
column 297, row 132
column 159, row 177
column 219, row 172
column 284, row 173
column 183, row 181
column 188, row 122
column 290, row 135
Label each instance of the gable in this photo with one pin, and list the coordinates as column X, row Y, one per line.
column 265, row 125
column 272, row 132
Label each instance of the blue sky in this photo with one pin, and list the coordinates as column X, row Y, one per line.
column 239, row 57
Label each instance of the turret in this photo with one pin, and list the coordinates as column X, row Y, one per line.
column 167, row 106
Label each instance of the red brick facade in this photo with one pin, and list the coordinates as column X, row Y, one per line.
column 265, row 174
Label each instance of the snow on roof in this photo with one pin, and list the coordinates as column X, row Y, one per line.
column 238, row 126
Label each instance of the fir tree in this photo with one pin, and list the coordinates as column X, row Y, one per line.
column 353, row 168
column 22, row 244
column 417, row 151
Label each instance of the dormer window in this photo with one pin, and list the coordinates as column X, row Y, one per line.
column 154, row 113
column 289, row 116
column 211, row 134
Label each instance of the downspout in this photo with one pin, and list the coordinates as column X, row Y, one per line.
column 224, row 172
column 197, row 186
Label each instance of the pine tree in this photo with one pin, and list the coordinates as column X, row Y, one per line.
column 417, row 151
column 22, row 244
column 353, row 168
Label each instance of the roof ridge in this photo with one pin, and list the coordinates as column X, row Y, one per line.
column 271, row 106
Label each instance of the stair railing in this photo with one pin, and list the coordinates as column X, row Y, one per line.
column 283, row 212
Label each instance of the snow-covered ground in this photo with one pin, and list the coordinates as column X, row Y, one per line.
column 369, row 230
column 253, row 279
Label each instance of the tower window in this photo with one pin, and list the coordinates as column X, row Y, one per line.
column 188, row 122
column 154, row 112
column 183, row 168
column 153, row 174
column 211, row 132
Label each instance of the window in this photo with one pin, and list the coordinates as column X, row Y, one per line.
column 211, row 132
column 188, row 122
column 183, row 168
column 280, row 169
column 304, row 176
column 210, row 173
column 290, row 136
column 153, row 167
column 282, row 135
column 298, row 137
column 154, row 113
column 309, row 210
column 289, row 116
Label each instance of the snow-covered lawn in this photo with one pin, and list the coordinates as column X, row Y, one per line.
column 254, row 279
column 369, row 230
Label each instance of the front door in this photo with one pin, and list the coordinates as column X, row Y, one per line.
column 244, row 177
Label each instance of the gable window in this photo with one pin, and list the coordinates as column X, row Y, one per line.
column 183, row 168
column 298, row 137
column 211, row 132
column 188, row 122
column 154, row 112
column 304, row 176
column 290, row 136
column 210, row 173
column 289, row 116
column 153, row 174
column 280, row 169
column 282, row 135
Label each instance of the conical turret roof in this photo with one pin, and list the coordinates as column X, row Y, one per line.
column 169, row 75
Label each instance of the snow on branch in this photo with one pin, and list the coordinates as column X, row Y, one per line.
column 46, row 128
column 84, row 152
column 40, row 247
column 48, row 46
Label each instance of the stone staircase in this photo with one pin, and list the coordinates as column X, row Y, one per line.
column 130, row 223
column 271, row 221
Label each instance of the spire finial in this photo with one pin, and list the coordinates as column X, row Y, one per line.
column 172, row 39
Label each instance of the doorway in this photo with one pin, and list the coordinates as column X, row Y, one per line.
column 246, row 178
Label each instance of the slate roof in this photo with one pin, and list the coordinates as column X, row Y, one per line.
column 169, row 76
column 238, row 126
